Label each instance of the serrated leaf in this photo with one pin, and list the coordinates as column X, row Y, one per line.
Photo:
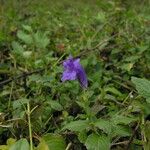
column 27, row 54
column 97, row 142
column 143, row 87
column 52, row 142
column 25, row 37
column 41, row 39
column 121, row 130
column 17, row 48
column 104, row 125
column 22, row 144
column 119, row 119
column 77, row 126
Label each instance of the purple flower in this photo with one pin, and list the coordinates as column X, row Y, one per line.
column 74, row 71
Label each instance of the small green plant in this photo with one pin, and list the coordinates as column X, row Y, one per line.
column 105, row 99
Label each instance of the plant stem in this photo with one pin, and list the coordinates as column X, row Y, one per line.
column 29, row 125
column 10, row 96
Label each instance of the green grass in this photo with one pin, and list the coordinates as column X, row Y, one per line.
column 112, row 40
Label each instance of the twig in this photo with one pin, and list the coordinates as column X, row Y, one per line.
column 25, row 74
column 132, row 137
column 68, row 146
column 10, row 96
column 29, row 125
column 120, row 143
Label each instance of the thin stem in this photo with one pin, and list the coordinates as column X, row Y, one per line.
column 10, row 96
column 143, row 128
column 29, row 125
column 68, row 146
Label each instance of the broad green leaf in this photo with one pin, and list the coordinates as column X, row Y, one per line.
column 25, row 37
column 78, row 125
column 104, row 125
column 120, row 130
column 52, row 142
column 42, row 146
column 143, row 87
column 11, row 141
column 127, row 66
column 18, row 103
column 119, row 119
column 4, row 147
column 22, row 144
column 97, row 142
column 56, row 105
column 82, row 136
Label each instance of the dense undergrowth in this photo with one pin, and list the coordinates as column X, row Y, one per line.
column 38, row 111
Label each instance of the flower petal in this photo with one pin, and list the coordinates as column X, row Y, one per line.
column 68, row 64
column 82, row 77
column 73, row 70
column 69, row 75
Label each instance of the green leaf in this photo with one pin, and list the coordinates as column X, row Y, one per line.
column 119, row 119
column 22, row 144
column 41, row 39
column 11, row 141
column 82, row 136
column 77, row 126
column 132, row 58
column 121, row 130
column 25, row 37
column 17, row 48
column 42, row 146
column 113, row 91
column 56, row 105
column 101, row 17
column 18, row 103
column 52, row 142
column 27, row 28
column 104, row 125
column 4, row 147
column 127, row 66
column 148, row 100
column 97, row 142
column 143, row 87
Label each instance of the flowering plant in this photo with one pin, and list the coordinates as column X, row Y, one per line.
column 73, row 70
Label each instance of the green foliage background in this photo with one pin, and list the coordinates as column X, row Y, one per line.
column 112, row 39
